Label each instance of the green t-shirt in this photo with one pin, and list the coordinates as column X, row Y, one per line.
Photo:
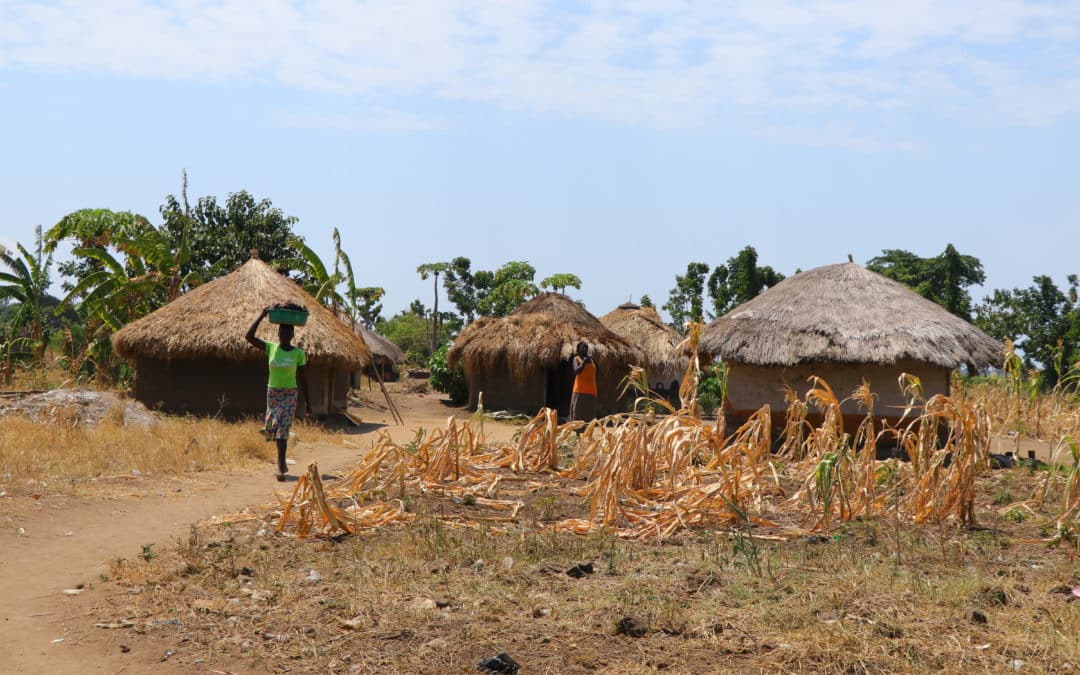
column 283, row 365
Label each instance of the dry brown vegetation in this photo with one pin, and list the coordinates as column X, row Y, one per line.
column 872, row 596
column 70, row 456
column 639, row 545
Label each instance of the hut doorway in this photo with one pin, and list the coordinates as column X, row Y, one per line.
column 560, row 387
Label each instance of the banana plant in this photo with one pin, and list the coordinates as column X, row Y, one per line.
column 26, row 282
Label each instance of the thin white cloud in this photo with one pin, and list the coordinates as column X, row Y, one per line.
column 360, row 121
column 646, row 62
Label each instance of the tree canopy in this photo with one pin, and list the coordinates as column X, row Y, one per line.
column 944, row 279
column 560, row 282
column 741, row 279
column 1042, row 320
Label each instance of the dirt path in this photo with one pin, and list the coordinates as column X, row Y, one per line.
column 68, row 542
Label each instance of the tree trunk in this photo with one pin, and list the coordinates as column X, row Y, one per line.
column 435, row 318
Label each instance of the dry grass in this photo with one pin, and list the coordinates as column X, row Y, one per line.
column 700, row 542
column 873, row 597
column 1026, row 411
column 67, row 455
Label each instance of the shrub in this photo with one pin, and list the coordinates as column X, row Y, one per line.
column 450, row 381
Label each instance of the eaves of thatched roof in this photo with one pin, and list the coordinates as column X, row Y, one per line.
column 846, row 314
column 538, row 335
column 382, row 349
column 210, row 322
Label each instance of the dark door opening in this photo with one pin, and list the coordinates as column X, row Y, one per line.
column 560, row 387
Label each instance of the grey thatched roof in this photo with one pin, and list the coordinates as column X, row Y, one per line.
column 846, row 314
column 384, row 351
column 539, row 334
column 210, row 322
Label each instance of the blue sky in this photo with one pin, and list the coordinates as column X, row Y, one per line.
column 617, row 141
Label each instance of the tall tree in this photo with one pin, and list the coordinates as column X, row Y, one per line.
column 434, row 269
column 741, row 279
column 944, row 279
column 368, row 306
column 561, row 281
column 1042, row 320
column 509, row 287
column 222, row 236
column 461, row 287
column 26, row 282
column 685, row 301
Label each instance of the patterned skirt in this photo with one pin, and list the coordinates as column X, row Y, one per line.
column 280, row 408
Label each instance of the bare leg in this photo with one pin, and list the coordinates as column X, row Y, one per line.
column 282, row 446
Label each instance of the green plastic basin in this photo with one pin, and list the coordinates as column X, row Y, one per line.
column 289, row 316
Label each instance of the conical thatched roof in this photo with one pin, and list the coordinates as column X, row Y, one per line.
column 382, row 349
column 210, row 322
column 643, row 328
column 846, row 314
column 537, row 335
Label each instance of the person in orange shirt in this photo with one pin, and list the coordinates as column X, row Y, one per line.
column 583, row 402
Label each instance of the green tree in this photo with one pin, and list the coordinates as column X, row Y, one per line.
column 411, row 332
column 741, row 279
column 510, row 286
column 944, row 279
column 461, row 287
column 368, row 306
column 26, row 282
column 561, row 281
column 131, row 276
column 434, row 269
column 646, row 301
column 685, row 301
column 223, row 236
column 91, row 228
column 1042, row 320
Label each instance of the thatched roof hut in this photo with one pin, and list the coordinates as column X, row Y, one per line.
column 191, row 354
column 846, row 324
column 385, row 354
column 522, row 361
column 643, row 327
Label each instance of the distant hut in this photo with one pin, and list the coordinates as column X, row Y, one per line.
column 191, row 356
column 523, row 361
column 385, row 354
column 844, row 324
column 643, row 328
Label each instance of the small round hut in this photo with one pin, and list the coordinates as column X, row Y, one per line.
column 845, row 324
column 522, row 361
column 643, row 328
column 385, row 354
column 191, row 355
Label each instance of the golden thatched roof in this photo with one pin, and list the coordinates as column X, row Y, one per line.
column 846, row 314
column 538, row 335
column 643, row 328
column 210, row 322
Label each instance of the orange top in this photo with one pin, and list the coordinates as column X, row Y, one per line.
column 585, row 381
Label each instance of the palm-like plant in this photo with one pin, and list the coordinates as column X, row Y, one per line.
column 121, row 290
column 26, row 283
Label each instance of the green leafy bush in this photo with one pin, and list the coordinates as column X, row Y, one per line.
column 712, row 388
column 450, row 381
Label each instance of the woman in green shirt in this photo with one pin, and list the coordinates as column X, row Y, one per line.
column 285, row 361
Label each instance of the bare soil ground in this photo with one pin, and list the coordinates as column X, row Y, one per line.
column 55, row 542
column 234, row 597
